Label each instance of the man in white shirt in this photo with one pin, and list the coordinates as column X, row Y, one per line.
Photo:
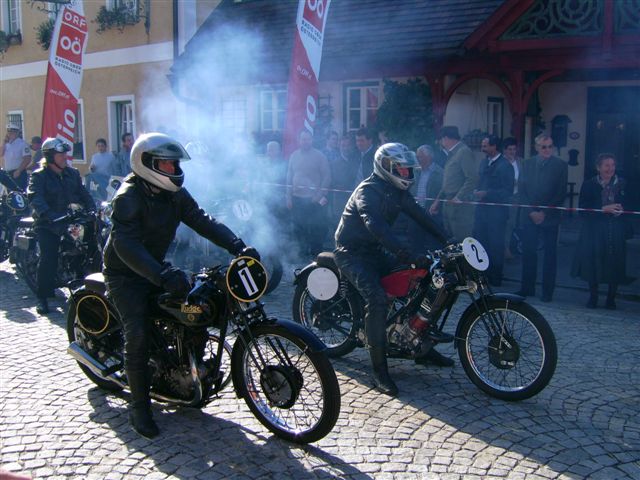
column 16, row 155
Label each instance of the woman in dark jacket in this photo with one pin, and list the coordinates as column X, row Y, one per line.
column 601, row 250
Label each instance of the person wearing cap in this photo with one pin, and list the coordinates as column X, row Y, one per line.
column 16, row 155
column 52, row 187
column 36, row 146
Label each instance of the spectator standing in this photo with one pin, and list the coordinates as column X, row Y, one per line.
column 17, row 155
column 495, row 185
column 308, row 178
column 36, row 147
column 459, row 181
column 364, row 143
column 543, row 182
column 601, row 252
column 343, row 174
column 121, row 166
column 101, row 166
column 332, row 147
column 510, row 152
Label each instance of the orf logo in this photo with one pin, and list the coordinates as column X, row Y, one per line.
column 70, row 43
column 314, row 13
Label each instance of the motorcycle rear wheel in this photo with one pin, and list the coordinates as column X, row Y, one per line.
column 113, row 337
column 332, row 321
column 291, row 390
column 514, row 361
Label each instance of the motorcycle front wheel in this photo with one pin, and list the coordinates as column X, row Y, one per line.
column 291, row 390
column 332, row 321
column 508, row 351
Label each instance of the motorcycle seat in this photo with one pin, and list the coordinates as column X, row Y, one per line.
column 326, row 259
column 26, row 222
column 95, row 283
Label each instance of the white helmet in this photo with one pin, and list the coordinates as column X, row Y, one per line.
column 395, row 163
column 14, row 126
column 51, row 146
column 151, row 147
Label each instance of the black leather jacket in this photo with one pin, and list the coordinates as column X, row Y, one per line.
column 370, row 212
column 145, row 223
column 51, row 193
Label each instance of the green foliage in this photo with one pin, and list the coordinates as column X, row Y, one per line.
column 118, row 17
column 44, row 32
column 406, row 113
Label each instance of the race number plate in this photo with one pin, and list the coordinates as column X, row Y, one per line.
column 242, row 210
column 246, row 279
column 322, row 283
column 475, row 254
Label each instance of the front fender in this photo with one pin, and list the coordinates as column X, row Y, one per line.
column 494, row 296
column 300, row 274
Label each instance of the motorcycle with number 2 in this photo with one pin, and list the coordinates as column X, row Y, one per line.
column 279, row 368
column 505, row 345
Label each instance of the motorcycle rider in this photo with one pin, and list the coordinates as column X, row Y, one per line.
column 147, row 210
column 52, row 188
column 367, row 249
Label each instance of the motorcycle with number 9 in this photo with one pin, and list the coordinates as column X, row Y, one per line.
column 278, row 367
column 505, row 345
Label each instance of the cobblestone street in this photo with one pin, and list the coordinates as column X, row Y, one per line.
column 56, row 424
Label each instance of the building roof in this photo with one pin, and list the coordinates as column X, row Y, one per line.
column 251, row 41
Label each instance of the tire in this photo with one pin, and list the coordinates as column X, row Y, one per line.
column 274, row 271
column 531, row 354
column 295, row 392
column 27, row 265
column 332, row 321
column 111, row 340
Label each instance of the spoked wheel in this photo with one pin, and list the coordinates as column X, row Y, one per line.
column 291, row 390
column 509, row 351
column 331, row 320
column 94, row 326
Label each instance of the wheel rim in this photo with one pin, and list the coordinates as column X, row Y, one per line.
column 289, row 396
column 510, row 361
column 330, row 320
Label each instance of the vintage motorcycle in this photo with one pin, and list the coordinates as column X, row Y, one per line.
column 79, row 252
column 13, row 206
column 505, row 346
column 279, row 368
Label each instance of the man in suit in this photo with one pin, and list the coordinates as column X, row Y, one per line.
column 543, row 182
column 495, row 185
column 366, row 150
column 459, row 181
column 510, row 152
column 425, row 189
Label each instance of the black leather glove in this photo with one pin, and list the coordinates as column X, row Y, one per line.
column 237, row 246
column 175, row 281
column 249, row 252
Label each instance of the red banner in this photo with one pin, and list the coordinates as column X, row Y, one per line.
column 64, row 74
column 302, row 92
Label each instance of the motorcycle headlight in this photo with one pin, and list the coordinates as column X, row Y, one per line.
column 76, row 231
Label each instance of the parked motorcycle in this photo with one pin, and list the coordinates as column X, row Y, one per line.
column 192, row 252
column 13, row 206
column 505, row 346
column 279, row 368
column 79, row 252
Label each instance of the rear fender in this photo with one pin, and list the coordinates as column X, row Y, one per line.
column 301, row 274
column 512, row 298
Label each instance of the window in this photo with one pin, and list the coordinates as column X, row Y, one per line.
column 234, row 114
column 16, row 117
column 273, row 106
column 78, row 137
column 121, row 112
column 11, row 21
column 495, row 112
column 361, row 105
column 130, row 5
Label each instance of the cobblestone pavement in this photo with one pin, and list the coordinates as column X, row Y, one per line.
column 586, row 423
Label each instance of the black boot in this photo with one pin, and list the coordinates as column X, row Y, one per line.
column 140, row 415
column 593, row 296
column 43, row 306
column 611, row 297
column 435, row 358
column 381, row 379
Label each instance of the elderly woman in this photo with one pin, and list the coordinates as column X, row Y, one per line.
column 601, row 251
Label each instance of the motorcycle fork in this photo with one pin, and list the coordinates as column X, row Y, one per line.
column 495, row 325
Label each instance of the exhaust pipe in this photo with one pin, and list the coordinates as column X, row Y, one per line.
column 80, row 355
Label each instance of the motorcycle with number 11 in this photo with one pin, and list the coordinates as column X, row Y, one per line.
column 505, row 345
